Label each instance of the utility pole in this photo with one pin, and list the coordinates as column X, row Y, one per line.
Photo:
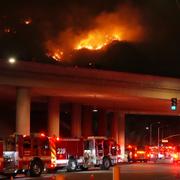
column 150, row 132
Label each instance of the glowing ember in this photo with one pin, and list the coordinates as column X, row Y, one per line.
column 57, row 55
column 7, row 30
column 28, row 21
column 97, row 41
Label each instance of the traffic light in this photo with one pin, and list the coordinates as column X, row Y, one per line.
column 173, row 104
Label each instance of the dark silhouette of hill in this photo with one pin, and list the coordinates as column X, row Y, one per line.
column 130, row 57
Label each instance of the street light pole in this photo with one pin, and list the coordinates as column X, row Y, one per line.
column 150, row 132
column 158, row 136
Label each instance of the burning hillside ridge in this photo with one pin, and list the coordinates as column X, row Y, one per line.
column 121, row 25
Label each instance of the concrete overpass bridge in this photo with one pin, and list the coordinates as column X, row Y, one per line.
column 121, row 93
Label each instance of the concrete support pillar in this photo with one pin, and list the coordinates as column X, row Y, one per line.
column 76, row 120
column 121, row 138
column 87, row 122
column 115, row 126
column 102, row 123
column 53, row 116
column 23, row 103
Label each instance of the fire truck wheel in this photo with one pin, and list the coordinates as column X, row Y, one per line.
column 72, row 165
column 106, row 163
column 9, row 176
column 84, row 168
column 36, row 168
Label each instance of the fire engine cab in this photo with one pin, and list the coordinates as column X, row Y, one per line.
column 101, row 151
column 27, row 154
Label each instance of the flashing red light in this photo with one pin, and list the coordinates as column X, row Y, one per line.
column 140, row 152
column 52, row 165
column 24, row 135
column 175, row 156
column 129, row 146
column 135, row 155
column 57, row 138
column 61, row 156
column 42, row 135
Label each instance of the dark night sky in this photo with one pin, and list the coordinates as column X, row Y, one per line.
column 157, row 53
column 136, row 133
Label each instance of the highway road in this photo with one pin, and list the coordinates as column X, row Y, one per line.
column 138, row 171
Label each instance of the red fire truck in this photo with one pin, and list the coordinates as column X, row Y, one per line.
column 69, row 153
column 84, row 153
column 101, row 151
column 176, row 154
column 27, row 154
column 137, row 153
column 37, row 152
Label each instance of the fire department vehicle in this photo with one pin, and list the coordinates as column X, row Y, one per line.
column 166, row 152
column 176, row 154
column 153, row 153
column 37, row 152
column 84, row 153
column 137, row 153
column 27, row 154
column 101, row 151
column 69, row 153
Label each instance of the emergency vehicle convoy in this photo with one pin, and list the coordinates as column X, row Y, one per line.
column 35, row 153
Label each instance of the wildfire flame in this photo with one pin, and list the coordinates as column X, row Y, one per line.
column 97, row 40
column 27, row 21
column 121, row 25
column 57, row 54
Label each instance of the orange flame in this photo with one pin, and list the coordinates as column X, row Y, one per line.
column 27, row 21
column 122, row 25
column 56, row 55
column 98, row 40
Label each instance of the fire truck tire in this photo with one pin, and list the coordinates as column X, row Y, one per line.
column 9, row 176
column 72, row 165
column 36, row 168
column 83, row 168
column 106, row 163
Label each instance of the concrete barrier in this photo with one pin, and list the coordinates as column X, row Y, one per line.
column 116, row 172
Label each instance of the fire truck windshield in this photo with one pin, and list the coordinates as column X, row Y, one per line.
column 27, row 144
column 10, row 144
column 88, row 145
column 141, row 148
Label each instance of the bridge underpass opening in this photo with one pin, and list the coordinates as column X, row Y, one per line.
column 138, row 133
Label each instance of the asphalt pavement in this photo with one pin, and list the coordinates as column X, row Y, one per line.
column 136, row 171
